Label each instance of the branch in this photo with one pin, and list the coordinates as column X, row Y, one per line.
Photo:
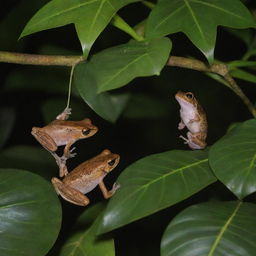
column 43, row 60
column 220, row 69
column 53, row 60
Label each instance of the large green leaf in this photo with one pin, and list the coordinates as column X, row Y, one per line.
column 30, row 214
column 128, row 61
column 108, row 106
column 198, row 19
column 84, row 241
column 233, row 159
column 89, row 16
column 212, row 229
column 34, row 159
column 156, row 182
column 7, row 118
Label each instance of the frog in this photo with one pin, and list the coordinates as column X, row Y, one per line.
column 85, row 177
column 63, row 132
column 194, row 118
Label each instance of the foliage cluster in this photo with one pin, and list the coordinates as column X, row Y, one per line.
column 30, row 211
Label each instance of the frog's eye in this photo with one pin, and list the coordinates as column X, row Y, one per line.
column 189, row 95
column 111, row 162
column 86, row 131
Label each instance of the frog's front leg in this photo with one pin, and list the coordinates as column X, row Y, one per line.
column 195, row 119
column 181, row 125
column 107, row 194
column 64, row 115
column 68, row 152
column 70, row 194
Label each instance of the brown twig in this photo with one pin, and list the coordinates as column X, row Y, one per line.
column 36, row 59
column 174, row 61
column 220, row 69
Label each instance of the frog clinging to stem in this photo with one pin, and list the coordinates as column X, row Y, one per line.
column 194, row 118
column 85, row 177
column 62, row 132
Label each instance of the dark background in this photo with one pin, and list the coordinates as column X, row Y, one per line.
column 148, row 125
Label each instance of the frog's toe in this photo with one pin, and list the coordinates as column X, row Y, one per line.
column 115, row 187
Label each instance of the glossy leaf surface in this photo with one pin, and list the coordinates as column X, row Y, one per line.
column 89, row 16
column 30, row 214
column 156, row 182
column 212, row 229
column 233, row 159
column 198, row 19
column 84, row 241
column 117, row 66
column 107, row 105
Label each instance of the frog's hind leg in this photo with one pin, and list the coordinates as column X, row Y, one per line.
column 44, row 139
column 70, row 194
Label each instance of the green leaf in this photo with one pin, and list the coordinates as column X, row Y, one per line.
column 7, row 118
column 198, row 19
column 128, row 61
column 84, row 240
column 108, row 106
column 233, row 159
column 30, row 214
column 34, row 159
column 241, row 63
column 156, row 182
column 212, row 229
column 143, row 106
column 89, row 16
column 244, row 75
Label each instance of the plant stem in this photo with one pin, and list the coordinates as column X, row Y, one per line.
column 120, row 23
column 220, row 69
column 70, row 85
column 51, row 60
column 43, row 60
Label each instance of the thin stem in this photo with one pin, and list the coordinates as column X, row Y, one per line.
column 70, row 85
column 220, row 69
column 149, row 4
column 120, row 23
column 43, row 60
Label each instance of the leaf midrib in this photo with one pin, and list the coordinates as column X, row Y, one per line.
column 63, row 12
column 218, row 8
column 195, row 19
column 223, row 229
column 163, row 177
column 123, row 69
column 96, row 15
column 169, row 16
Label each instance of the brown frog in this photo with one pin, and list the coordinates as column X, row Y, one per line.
column 62, row 132
column 85, row 177
column 194, row 118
